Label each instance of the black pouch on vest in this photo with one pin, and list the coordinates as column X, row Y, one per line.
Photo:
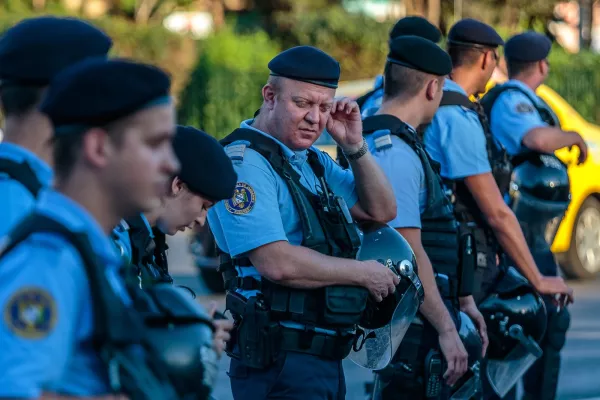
column 344, row 305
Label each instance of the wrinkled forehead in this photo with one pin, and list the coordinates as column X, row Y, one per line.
column 308, row 91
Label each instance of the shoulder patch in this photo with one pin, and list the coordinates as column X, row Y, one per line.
column 235, row 151
column 524, row 108
column 382, row 139
column 31, row 313
column 243, row 199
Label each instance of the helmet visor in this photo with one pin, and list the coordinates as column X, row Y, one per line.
column 374, row 348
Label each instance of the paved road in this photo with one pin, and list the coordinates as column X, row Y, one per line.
column 580, row 374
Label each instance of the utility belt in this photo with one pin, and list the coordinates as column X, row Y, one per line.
column 259, row 338
column 331, row 307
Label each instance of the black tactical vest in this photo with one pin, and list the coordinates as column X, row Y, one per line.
column 439, row 231
column 471, row 219
column 465, row 205
column 148, row 254
column 545, row 113
column 22, row 173
column 137, row 343
column 327, row 228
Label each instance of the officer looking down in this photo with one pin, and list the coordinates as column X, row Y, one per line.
column 527, row 127
column 32, row 52
column 294, row 287
column 414, row 77
column 479, row 173
column 206, row 176
column 113, row 124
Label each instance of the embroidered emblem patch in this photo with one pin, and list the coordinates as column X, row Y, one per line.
column 524, row 108
column 243, row 199
column 31, row 313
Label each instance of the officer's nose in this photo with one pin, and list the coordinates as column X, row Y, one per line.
column 201, row 220
column 313, row 116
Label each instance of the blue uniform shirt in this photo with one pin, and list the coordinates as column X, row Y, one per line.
column 47, row 316
column 456, row 140
column 373, row 102
column 15, row 200
column 513, row 115
column 262, row 209
column 404, row 171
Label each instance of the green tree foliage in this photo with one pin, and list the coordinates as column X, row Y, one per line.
column 357, row 41
column 225, row 87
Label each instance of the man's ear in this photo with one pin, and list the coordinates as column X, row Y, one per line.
column 97, row 147
column 269, row 93
column 176, row 186
column 432, row 88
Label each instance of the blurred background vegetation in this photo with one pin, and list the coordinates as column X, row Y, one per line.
column 217, row 50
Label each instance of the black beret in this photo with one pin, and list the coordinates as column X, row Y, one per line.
column 36, row 49
column 420, row 54
column 472, row 32
column 416, row 26
column 307, row 64
column 527, row 47
column 205, row 167
column 98, row 91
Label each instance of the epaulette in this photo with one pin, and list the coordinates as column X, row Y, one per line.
column 235, row 151
column 382, row 139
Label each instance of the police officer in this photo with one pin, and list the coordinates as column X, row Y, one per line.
column 206, row 176
column 411, row 25
column 474, row 163
column 113, row 124
column 370, row 102
column 414, row 76
column 524, row 124
column 476, row 166
column 288, row 238
column 31, row 53
column 514, row 118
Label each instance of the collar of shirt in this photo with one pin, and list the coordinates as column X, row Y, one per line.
column 67, row 211
column 452, row 86
column 378, row 82
column 16, row 153
column 296, row 158
column 525, row 88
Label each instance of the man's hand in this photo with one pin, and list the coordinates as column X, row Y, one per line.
column 583, row 149
column 468, row 306
column 345, row 124
column 379, row 279
column 555, row 285
column 222, row 329
column 455, row 354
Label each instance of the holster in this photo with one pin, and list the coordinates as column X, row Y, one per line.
column 258, row 338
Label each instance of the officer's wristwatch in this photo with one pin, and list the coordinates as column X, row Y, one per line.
column 361, row 152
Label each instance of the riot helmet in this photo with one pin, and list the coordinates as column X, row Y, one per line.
column 384, row 324
column 470, row 383
column 181, row 334
column 539, row 195
column 515, row 316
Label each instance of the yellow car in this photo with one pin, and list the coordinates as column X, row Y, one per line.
column 577, row 241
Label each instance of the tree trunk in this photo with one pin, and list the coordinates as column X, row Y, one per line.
column 38, row 5
column 143, row 11
column 434, row 11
